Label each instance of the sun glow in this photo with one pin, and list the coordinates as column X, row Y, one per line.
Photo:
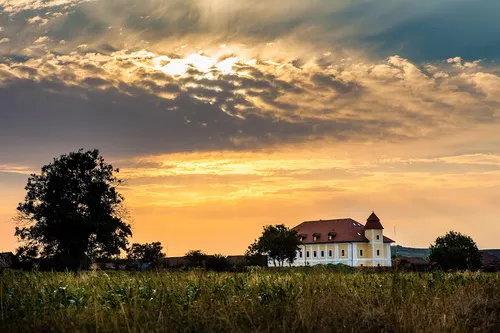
column 196, row 61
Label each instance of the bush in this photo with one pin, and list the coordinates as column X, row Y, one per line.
column 217, row 263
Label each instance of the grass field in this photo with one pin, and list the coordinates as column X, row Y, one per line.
column 298, row 300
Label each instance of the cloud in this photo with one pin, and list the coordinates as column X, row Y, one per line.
column 16, row 169
column 41, row 40
column 170, row 76
column 382, row 28
column 37, row 20
column 16, row 6
column 142, row 102
column 492, row 159
column 212, row 108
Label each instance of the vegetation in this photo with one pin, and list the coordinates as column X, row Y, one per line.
column 402, row 251
column 309, row 299
column 278, row 242
column 148, row 253
column 195, row 258
column 72, row 212
column 455, row 251
column 218, row 263
column 214, row 262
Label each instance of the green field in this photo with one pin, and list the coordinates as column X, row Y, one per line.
column 296, row 300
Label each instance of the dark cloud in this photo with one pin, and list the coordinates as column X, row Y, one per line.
column 90, row 80
column 329, row 81
column 417, row 30
column 49, row 115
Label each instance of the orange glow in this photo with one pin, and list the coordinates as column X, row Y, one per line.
column 219, row 202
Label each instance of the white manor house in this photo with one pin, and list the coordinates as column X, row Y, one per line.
column 343, row 241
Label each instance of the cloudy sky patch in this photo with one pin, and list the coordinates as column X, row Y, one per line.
column 332, row 107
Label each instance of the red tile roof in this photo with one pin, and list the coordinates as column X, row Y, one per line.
column 373, row 222
column 346, row 230
column 414, row 260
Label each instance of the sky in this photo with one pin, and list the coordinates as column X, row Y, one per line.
column 225, row 116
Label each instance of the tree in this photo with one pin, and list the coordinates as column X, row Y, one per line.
column 218, row 263
column 73, row 212
column 278, row 242
column 149, row 253
column 455, row 251
column 195, row 258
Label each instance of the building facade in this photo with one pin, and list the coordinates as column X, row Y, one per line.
column 343, row 241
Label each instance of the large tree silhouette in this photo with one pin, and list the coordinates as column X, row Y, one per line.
column 455, row 251
column 73, row 212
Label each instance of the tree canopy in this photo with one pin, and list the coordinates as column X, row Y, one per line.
column 73, row 211
column 278, row 242
column 196, row 258
column 455, row 251
column 149, row 253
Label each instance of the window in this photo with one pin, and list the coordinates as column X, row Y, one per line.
column 307, row 254
column 378, row 252
column 300, row 254
column 343, row 253
column 378, row 237
column 360, row 253
column 314, row 254
column 314, row 238
column 330, row 237
column 330, row 253
column 322, row 253
column 361, row 265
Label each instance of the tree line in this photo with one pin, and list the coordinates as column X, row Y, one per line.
column 73, row 215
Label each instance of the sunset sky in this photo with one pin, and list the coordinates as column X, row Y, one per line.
column 224, row 116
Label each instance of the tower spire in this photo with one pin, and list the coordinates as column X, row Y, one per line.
column 373, row 222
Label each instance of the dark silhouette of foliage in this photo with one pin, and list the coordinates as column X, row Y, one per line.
column 149, row 253
column 195, row 258
column 218, row 263
column 255, row 259
column 26, row 258
column 72, row 212
column 455, row 251
column 278, row 242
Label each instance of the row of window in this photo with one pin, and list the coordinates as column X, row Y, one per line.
column 342, row 253
column 330, row 237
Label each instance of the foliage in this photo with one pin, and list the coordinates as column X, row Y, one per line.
column 150, row 253
column 455, row 251
column 255, row 259
column 195, row 258
column 73, row 212
column 307, row 299
column 278, row 242
column 218, row 263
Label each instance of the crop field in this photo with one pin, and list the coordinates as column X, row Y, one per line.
column 289, row 300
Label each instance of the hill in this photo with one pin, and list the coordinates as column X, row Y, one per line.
column 423, row 253
column 496, row 252
column 402, row 251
